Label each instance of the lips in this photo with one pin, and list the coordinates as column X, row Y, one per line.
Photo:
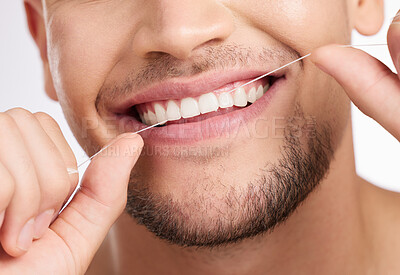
column 195, row 110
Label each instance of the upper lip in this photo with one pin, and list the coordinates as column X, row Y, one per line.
column 189, row 87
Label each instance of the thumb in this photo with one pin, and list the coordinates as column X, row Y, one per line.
column 372, row 86
column 86, row 221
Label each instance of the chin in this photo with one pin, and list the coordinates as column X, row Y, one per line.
column 211, row 205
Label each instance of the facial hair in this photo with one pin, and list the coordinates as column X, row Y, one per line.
column 268, row 199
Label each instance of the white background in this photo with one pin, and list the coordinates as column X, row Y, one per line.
column 21, row 84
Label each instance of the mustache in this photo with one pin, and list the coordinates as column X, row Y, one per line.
column 164, row 66
column 212, row 58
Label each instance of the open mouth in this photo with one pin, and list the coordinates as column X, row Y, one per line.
column 197, row 109
column 203, row 106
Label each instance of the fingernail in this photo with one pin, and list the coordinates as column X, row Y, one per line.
column 42, row 222
column 2, row 217
column 26, row 235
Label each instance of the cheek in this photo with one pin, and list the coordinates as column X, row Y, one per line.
column 300, row 24
column 81, row 53
column 304, row 25
column 323, row 98
column 85, row 42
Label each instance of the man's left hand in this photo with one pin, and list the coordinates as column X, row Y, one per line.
column 372, row 86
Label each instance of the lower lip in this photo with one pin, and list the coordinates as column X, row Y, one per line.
column 210, row 128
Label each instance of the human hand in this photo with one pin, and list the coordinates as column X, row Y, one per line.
column 372, row 86
column 34, row 159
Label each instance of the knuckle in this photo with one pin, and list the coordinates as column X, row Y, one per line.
column 57, row 189
column 6, row 122
column 28, row 198
column 19, row 113
column 45, row 118
column 52, row 127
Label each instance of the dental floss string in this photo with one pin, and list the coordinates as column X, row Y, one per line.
column 74, row 171
column 271, row 72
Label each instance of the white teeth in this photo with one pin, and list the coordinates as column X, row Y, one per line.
column 141, row 117
column 152, row 118
column 160, row 112
column 225, row 100
column 251, row 97
column 173, row 112
column 266, row 87
column 146, row 119
column 240, row 98
column 260, row 92
column 189, row 107
column 208, row 103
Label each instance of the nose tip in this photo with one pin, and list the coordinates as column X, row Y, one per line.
column 180, row 30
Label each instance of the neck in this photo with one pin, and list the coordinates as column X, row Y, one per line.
column 325, row 230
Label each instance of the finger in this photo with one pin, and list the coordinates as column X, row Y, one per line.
column 52, row 129
column 17, row 230
column 84, row 224
column 49, row 166
column 372, row 87
column 7, row 190
column 393, row 38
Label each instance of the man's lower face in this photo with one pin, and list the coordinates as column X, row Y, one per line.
column 216, row 180
column 205, row 197
column 227, row 175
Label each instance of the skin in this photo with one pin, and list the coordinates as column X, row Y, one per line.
column 346, row 221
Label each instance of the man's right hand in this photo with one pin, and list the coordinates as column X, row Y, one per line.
column 34, row 184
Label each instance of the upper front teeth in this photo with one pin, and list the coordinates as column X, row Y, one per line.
column 173, row 111
column 260, row 92
column 251, row 97
column 225, row 100
column 150, row 118
column 189, row 107
column 160, row 112
column 206, row 103
column 240, row 97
